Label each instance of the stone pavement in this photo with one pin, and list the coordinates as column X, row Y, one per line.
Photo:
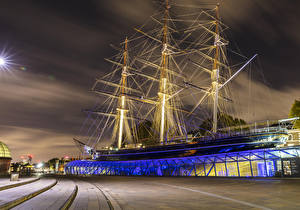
column 104, row 192
column 89, row 197
column 201, row 192
column 15, row 194
column 5, row 182
column 54, row 198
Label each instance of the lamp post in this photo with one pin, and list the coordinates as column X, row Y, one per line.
column 2, row 61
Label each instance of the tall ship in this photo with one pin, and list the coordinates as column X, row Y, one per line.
column 168, row 93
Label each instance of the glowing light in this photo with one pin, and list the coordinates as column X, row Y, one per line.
column 2, row 62
column 123, row 101
column 121, row 129
column 39, row 165
column 215, row 95
column 121, row 121
column 254, row 165
column 5, row 61
column 162, row 122
column 87, row 149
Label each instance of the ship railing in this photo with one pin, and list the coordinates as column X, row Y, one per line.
column 250, row 129
column 257, row 130
column 268, row 124
column 262, row 126
column 241, row 132
column 228, row 134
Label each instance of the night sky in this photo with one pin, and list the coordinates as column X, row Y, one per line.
column 58, row 48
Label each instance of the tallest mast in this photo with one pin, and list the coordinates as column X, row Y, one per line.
column 215, row 72
column 163, row 77
column 122, row 109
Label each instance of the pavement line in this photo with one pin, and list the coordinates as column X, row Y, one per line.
column 70, row 200
column 109, row 202
column 217, row 196
column 113, row 204
column 5, row 187
column 24, row 198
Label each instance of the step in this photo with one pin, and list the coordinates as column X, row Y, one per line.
column 14, row 196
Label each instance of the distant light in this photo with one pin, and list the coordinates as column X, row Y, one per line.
column 39, row 165
column 2, row 62
column 288, row 119
column 6, row 62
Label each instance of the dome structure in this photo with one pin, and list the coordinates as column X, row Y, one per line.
column 4, row 151
column 5, row 158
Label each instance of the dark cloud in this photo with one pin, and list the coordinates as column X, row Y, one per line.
column 43, row 144
column 31, row 99
column 261, row 102
column 38, row 114
column 62, row 44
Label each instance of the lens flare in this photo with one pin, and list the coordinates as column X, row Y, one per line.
column 2, row 61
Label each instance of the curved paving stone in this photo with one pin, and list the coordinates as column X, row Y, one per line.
column 4, row 182
column 89, row 197
column 149, row 193
column 12, row 194
column 53, row 198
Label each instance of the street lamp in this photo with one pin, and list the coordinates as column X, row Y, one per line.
column 6, row 63
column 2, row 61
column 39, row 165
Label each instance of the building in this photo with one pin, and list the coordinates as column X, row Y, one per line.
column 254, row 163
column 277, row 160
column 5, row 158
column 294, row 137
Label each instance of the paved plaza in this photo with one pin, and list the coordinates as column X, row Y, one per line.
column 113, row 192
column 201, row 192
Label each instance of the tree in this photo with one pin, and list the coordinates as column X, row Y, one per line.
column 295, row 112
column 52, row 163
column 145, row 134
column 224, row 120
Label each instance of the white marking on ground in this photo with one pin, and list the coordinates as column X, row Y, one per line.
column 217, row 196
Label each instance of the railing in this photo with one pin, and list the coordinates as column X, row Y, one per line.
column 228, row 134
column 269, row 126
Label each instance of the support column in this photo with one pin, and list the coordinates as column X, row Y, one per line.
column 226, row 165
column 251, row 166
column 266, row 170
column 237, row 164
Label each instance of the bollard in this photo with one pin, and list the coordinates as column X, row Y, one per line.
column 14, row 176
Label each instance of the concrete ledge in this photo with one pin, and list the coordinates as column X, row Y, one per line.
column 17, row 184
column 18, row 201
column 70, row 200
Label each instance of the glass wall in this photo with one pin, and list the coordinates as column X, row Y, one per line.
column 255, row 163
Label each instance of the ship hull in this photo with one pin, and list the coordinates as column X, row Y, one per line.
column 197, row 148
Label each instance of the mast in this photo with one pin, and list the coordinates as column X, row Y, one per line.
column 215, row 72
column 155, row 82
column 122, row 109
column 163, row 77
